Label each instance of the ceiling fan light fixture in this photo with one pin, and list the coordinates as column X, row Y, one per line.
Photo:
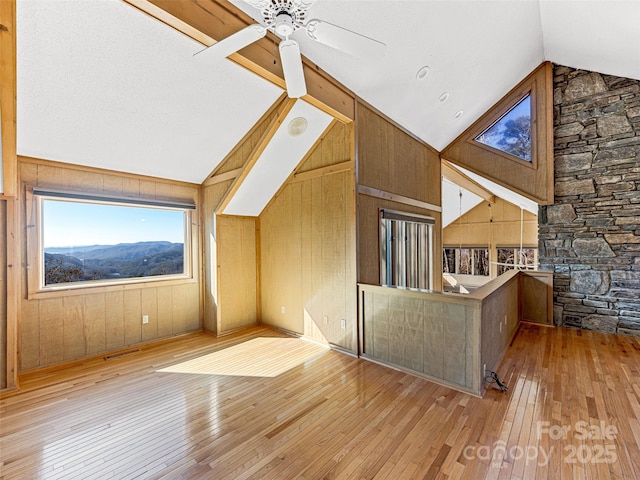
column 284, row 25
column 297, row 126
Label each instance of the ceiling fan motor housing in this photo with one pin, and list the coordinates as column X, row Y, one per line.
column 285, row 16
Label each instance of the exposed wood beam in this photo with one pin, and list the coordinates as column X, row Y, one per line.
column 394, row 197
column 275, row 106
column 210, row 20
column 257, row 152
column 322, row 171
column 223, row 177
column 456, row 176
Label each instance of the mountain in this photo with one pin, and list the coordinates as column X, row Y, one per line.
column 121, row 251
column 125, row 260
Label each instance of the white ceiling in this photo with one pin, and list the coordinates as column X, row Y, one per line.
column 278, row 160
column 104, row 85
column 101, row 84
column 456, row 201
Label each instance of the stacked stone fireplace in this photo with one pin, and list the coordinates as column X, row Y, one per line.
column 590, row 237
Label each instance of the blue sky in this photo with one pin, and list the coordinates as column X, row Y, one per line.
column 78, row 224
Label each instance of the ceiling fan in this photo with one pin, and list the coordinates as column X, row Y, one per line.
column 283, row 17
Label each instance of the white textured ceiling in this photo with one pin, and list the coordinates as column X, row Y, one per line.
column 101, row 84
column 104, row 85
column 476, row 51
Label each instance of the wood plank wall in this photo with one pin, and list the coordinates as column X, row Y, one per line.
column 66, row 327
column 308, row 248
column 533, row 179
column 237, row 273
column 436, row 335
column 500, row 319
column 449, row 338
column 394, row 164
column 536, row 297
column 8, row 106
column 230, row 293
column 3, row 295
column 498, row 226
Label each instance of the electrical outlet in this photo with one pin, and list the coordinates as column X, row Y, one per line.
column 145, row 319
column 325, row 319
column 500, row 327
column 343, row 324
column 484, row 370
column 282, row 309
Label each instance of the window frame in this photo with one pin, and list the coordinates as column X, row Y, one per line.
column 457, row 255
column 35, row 259
column 390, row 270
column 534, row 266
column 498, row 115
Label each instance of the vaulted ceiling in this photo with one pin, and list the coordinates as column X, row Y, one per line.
column 102, row 84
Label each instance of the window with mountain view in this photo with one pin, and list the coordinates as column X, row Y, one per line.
column 512, row 132
column 110, row 242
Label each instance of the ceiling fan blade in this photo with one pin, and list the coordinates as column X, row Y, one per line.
column 344, row 40
column 292, row 68
column 237, row 41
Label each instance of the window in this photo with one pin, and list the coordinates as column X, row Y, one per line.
column 406, row 242
column 86, row 240
column 465, row 261
column 512, row 132
column 510, row 258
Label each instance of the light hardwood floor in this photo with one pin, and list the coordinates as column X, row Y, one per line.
column 572, row 410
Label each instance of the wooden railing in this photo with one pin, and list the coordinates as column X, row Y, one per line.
column 452, row 339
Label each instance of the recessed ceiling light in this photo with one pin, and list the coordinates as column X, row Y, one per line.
column 458, row 114
column 297, row 126
column 444, row 97
column 423, row 72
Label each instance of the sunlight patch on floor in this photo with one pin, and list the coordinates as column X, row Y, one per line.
column 259, row 357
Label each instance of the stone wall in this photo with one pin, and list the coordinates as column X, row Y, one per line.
column 590, row 237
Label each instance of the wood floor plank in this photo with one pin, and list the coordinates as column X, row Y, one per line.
column 331, row 417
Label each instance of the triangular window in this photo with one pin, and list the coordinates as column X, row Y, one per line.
column 512, row 132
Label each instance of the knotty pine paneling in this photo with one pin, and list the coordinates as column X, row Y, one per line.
column 71, row 326
column 308, row 249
